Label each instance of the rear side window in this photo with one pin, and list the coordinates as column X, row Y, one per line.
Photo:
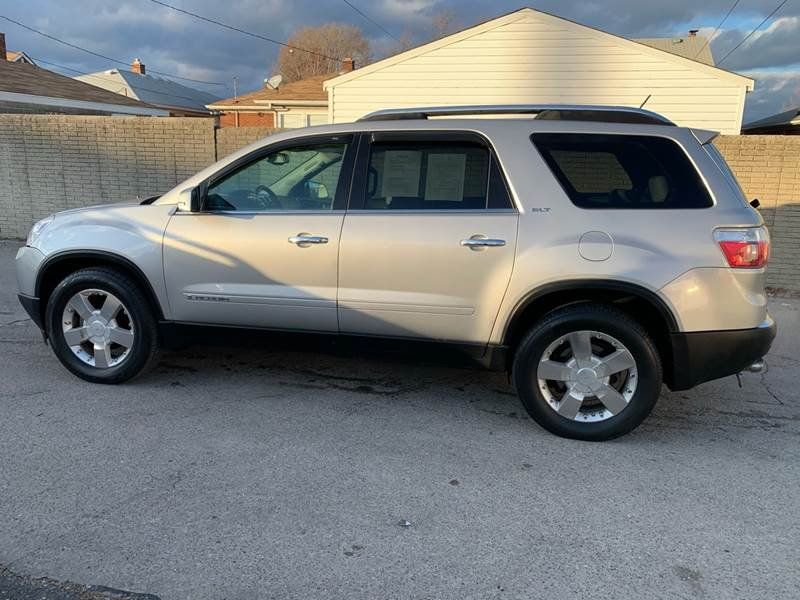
column 622, row 171
column 433, row 175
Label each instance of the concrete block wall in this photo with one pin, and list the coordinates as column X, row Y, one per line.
column 230, row 139
column 768, row 168
column 50, row 163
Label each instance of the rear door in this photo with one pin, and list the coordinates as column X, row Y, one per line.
column 429, row 238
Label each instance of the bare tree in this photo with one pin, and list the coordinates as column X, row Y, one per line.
column 334, row 40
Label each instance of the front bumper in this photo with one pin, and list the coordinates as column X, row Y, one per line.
column 702, row 356
column 32, row 306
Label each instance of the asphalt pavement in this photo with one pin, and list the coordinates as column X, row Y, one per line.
column 256, row 473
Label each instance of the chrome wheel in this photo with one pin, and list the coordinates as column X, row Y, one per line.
column 98, row 328
column 587, row 376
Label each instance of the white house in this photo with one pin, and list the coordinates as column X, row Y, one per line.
column 531, row 57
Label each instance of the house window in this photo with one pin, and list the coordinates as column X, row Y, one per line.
column 292, row 119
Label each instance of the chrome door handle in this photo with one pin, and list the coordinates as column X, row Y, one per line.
column 477, row 243
column 304, row 239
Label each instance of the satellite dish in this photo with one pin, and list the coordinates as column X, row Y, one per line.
column 273, row 82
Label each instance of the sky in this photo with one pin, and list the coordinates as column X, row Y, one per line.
column 179, row 44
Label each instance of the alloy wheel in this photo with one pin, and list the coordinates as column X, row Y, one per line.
column 98, row 328
column 587, row 376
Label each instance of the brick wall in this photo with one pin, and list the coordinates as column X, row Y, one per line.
column 247, row 119
column 768, row 168
column 50, row 163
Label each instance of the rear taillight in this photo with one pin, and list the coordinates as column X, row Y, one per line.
column 744, row 248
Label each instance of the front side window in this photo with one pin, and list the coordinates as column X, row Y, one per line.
column 432, row 176
column 622, row 171
column 300, row 178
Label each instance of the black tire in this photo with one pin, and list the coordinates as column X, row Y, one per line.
column 144, row 351
column 603, row 319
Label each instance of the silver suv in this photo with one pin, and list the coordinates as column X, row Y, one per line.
column 593, row 252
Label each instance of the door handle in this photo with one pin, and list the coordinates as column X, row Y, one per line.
column 304, row 239
column 477, row 242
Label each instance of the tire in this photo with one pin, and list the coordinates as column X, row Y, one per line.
column 133, row 324
column 613, row 402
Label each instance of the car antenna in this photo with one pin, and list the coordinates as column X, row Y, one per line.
column 645, row 100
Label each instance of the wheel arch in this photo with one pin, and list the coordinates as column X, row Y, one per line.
column 61, row 264
column 644, row 305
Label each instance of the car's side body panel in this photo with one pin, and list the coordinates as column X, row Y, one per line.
column 406, row 274
column 241, row 269
column 133, row 233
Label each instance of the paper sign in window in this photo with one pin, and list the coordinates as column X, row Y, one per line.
column 401, row 170
column 445, row 179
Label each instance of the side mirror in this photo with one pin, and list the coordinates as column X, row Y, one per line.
column 316, row 190
column 189, row 200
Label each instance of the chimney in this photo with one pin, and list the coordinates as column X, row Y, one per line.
column 137, row 66
column 3, row 55
column 348, row 64
column 693, row 32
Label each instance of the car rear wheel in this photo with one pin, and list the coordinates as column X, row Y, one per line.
column 588, row 372
column 101, row 326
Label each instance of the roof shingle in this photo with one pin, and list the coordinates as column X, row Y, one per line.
column 22, row 78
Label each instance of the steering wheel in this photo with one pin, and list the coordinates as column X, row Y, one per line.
column 266, row 198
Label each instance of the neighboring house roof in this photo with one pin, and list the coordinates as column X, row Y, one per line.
column 305, row 92
column 787, row 119
column 29, row 84
column 693, row 47
column 557, row 21
column 15, row 56
column 153, row 90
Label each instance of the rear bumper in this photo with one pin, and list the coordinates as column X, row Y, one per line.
column 702, row 356
column 32, row 306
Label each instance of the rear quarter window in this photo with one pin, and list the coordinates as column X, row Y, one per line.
column 623, row 171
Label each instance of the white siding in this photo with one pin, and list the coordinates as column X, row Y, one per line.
column 531, row 57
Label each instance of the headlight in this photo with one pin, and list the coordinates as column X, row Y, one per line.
column 37, row 229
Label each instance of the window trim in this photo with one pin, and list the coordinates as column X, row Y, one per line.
column 678, row 143
column 341, row 195
column 358, row 190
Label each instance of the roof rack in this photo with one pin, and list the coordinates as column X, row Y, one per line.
column 553, row 112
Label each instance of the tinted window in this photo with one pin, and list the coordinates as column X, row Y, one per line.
column 301, row 178
column 622, row 171
column 433, row 176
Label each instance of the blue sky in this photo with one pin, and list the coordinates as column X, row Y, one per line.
column 176, row 43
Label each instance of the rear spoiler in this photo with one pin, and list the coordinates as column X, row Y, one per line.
column 704, row 136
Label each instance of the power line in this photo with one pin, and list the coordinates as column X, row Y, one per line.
column 721, row 23
column 103, row 56
column 378, row 25
column 243, row 31
column 767, row 18
column 103, row 79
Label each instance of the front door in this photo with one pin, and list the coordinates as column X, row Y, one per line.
column 428, row 244
column 262, row 252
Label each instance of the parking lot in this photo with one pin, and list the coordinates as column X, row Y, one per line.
column 238, row 473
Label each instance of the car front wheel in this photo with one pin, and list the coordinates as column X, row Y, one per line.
column 101, row 326
column 588, row 372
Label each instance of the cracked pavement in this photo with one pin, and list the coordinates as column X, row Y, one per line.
column 243, row 473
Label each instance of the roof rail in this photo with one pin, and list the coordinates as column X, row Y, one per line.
column 554, row 112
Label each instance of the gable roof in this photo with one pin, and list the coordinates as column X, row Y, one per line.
column 783, row 119
column 305, row 90
column 520, row 14
column 21, row 82
column 693, row 47
column 153, row 90
column 16, row 56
